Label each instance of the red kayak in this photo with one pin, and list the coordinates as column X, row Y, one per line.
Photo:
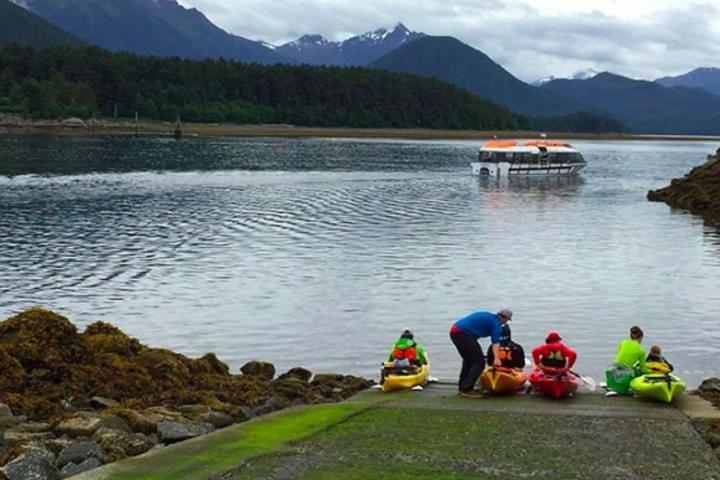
column 554, row 384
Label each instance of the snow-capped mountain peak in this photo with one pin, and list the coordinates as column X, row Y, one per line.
column 311, row 39
column 361, row 49
column 544, row 80
column 581, row 75
column 398, row 31
column 585, row 74
column 267, row 45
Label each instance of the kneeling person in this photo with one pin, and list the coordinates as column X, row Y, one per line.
column 554, row 357
column 512, row 355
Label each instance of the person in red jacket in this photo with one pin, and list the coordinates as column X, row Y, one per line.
column 554, row 356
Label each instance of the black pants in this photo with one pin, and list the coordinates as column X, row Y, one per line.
column 473, row 360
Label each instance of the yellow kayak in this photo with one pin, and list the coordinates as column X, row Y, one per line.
column 663, row 387
column 404, row 378
column 503, row 380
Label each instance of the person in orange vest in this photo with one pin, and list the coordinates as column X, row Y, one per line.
column 407, row 352
column 554, row 356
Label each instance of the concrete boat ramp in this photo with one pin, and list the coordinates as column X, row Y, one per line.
column 435, row 434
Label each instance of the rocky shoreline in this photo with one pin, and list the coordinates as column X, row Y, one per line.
column 71, row 401
column 16, row 124
column 698, row 191
column 709, row 390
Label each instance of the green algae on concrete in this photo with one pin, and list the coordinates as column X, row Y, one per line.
column 204, row 457
column 435, row 434
column 438, row 435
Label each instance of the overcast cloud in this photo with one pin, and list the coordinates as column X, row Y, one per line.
column 531, row 39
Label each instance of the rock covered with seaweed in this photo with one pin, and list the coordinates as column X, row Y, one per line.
column 61, row 387
column 698, row 191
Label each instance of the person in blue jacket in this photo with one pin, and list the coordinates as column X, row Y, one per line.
column 464, row 335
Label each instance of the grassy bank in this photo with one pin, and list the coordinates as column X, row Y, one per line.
column 438, row 435
column 287, row 131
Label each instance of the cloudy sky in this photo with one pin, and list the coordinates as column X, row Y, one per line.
column 532, row 39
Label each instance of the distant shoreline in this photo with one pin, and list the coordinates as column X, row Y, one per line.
column 288, row 131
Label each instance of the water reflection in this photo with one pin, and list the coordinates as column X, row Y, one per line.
column 550, row 183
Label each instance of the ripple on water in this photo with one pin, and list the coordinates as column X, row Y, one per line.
column 318, row 253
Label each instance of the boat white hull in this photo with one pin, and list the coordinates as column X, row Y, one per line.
column 502, row 169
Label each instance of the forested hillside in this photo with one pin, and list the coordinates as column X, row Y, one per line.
column 94, row 82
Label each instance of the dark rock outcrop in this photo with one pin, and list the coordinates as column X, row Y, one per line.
column 218, row 419
column 270, row 405
column 262, row 370
column 298, row 373
column 79, row 452
column 698, row 191
column 84, row 424
column 31, row 466
column 172, row 432
column 118, row 444
column 74, row 469
column 709, row 389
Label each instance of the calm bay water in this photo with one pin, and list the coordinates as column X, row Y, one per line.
column 319, row 252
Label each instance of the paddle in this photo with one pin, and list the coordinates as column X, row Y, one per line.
column 588, row 381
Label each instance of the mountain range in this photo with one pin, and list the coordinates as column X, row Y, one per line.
column 360, row 50
column 645, row 106
column 165, row 28
column 705, row 78
column 452, row 61
column 149, row 27
column 17, row 25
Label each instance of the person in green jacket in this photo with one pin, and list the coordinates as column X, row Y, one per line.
column 629, row 363
column 406, row 352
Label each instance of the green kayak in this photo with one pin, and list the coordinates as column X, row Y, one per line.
column 618, row 378
column 663, row 387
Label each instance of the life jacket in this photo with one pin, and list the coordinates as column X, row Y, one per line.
column 506, row 354
column 405, row 349
column 554, row 358
column 658, row 367
column 409, row 353
column 512, row 355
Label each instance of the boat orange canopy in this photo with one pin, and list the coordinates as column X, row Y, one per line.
column 500, row 144
column 527, row 143
column 546, row 143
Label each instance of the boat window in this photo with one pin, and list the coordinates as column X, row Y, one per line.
column 535, row 158
column 499, row 156
column 552, row 157
column 525, row 157
column 484, row 155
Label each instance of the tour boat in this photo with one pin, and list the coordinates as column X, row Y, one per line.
column 499, row 158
